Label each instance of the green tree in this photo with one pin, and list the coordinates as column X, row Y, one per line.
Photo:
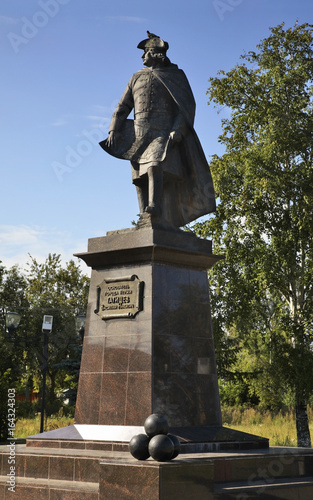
column 13, row 361
column 47, row 288
column 264, row 221
column 63, row 293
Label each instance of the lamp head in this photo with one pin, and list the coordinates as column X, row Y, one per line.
column 12, row 321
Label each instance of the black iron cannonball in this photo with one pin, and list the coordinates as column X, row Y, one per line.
column 138, row 447
column 176, row 444
column 156, row 424
column 161, row 448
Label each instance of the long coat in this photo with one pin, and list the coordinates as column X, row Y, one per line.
column 188, row 191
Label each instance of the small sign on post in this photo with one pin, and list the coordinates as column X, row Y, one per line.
column 46, row 329
column 47, row 323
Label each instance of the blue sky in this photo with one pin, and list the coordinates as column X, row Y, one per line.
column 65, row 64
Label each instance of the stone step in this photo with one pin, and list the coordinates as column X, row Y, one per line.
column 45, row 463
column 272, row 464
column 286, row 489
column 52, row 489
column 84, row 465
column 196, row 439
column 236, row 475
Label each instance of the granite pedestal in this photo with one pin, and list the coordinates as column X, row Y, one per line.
column 69, row 474
column 152, row 353
column 148, row 345
column 161, row 360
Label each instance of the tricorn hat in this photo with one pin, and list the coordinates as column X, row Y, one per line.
column 153, row 42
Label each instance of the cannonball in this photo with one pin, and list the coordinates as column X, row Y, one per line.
column 161, row 448
column 156, row 424
column 138, row 447
column 176, row 444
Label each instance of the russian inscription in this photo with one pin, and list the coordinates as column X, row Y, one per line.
column 119, row 297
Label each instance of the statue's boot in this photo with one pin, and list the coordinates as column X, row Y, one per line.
column 142, row 196
column 155, row 190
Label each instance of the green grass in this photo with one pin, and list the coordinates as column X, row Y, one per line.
column 279, row 428
column 25, row 427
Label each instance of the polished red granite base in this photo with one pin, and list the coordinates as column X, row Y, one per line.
column 116, row 438
column 157, row 481
column 162, row 360
column 67, row 474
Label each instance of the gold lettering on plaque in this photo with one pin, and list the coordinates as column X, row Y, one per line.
column 119, row 297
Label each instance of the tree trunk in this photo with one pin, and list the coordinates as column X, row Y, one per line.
column 302, row 423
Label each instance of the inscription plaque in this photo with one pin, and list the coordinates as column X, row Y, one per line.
column 119, row 297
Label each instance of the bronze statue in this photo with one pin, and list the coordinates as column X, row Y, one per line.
column 169, row 168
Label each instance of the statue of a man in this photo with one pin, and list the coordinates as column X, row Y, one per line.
column 169, row 168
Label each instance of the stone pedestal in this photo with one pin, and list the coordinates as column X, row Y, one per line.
column 83, row 474
column 148, row 346
column 161, row 360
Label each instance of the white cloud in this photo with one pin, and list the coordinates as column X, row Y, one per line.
column 8, row 20
column 102, row 110
column 18, row 242
column 95, row 118
column 128, row 19
column 15, row 235
column 59, row 123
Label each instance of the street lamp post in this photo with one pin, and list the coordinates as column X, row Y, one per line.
column 12, row 321
column 46, row 329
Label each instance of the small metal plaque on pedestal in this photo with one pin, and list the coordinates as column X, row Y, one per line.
column 119, row 297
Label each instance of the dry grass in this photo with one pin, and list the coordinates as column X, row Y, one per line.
column 280, row 429
column 29, row 426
